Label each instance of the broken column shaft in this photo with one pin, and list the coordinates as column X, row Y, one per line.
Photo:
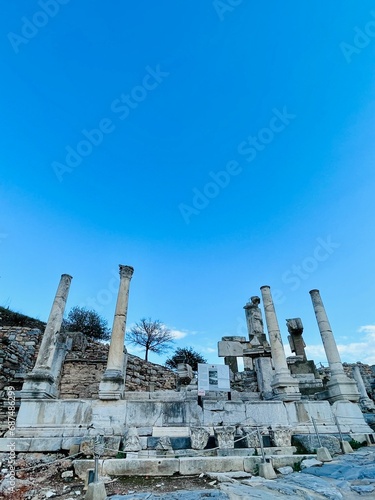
column 41, row 382
column 284, row 386
column 113, row 380
column 366, row 403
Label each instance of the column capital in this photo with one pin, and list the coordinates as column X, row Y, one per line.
column 126, row 271
column 67, row 276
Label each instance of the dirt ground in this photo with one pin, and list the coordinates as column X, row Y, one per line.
column 45, row 481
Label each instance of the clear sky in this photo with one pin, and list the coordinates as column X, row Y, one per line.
column 215, row 146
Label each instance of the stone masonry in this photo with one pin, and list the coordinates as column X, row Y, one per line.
column 83, row 367
column 18, row 351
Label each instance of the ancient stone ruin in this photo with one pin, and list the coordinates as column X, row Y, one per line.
column 75, row 395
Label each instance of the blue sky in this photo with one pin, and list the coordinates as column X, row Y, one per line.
column 215, row 146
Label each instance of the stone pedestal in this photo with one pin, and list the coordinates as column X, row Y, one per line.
column 284, row 386
column 113, row 380
column 340, row 387
column 42, row 382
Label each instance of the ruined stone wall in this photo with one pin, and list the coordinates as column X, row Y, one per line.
column 83, row 366
column 86, row 363
column 19, row 347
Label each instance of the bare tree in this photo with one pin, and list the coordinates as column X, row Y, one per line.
column 154, row 336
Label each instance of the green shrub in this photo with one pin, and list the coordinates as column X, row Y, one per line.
column 356, row 444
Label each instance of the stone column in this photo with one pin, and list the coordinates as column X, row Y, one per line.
column 340, row 387
column 284, row 386
column 366, row 403
column 113, row 380
column 41, row 382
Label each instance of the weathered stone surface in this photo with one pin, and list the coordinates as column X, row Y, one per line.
column 251, row 438
column 226, row 348
column 131, row 440
column 35, row 413
column 285, row 470
column 264, row 373
column 158, row 467
column 311, row 444
column 310, row 462
column 171, row 431
column 199, row 437
column 280, row 436
column 67, row 473
column 196, row 465
column 164, row 444
column 236, row 452
column 225, row 436
column 350, row 417
column 266, row 413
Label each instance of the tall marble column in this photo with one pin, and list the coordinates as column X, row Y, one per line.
column 340, row 387
column 113, row 380
column 41, row 382
column 365, row 402
column 284, row 386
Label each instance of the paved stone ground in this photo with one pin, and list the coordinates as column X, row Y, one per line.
column 346, row 477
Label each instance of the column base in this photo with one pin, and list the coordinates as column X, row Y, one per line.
column 112, row 385
column 342, row 388
column 39, row 384
column 285, row 387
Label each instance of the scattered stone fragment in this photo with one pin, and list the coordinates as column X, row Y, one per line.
column 67, row 473
column 310, row 462
column 285, row 470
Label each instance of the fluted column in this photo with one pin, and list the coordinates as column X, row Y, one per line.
column 113, row 380
column 340, row 387
column 284, row 386
column 41, row 382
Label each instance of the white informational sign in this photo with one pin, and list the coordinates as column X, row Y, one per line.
column 213, row 377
